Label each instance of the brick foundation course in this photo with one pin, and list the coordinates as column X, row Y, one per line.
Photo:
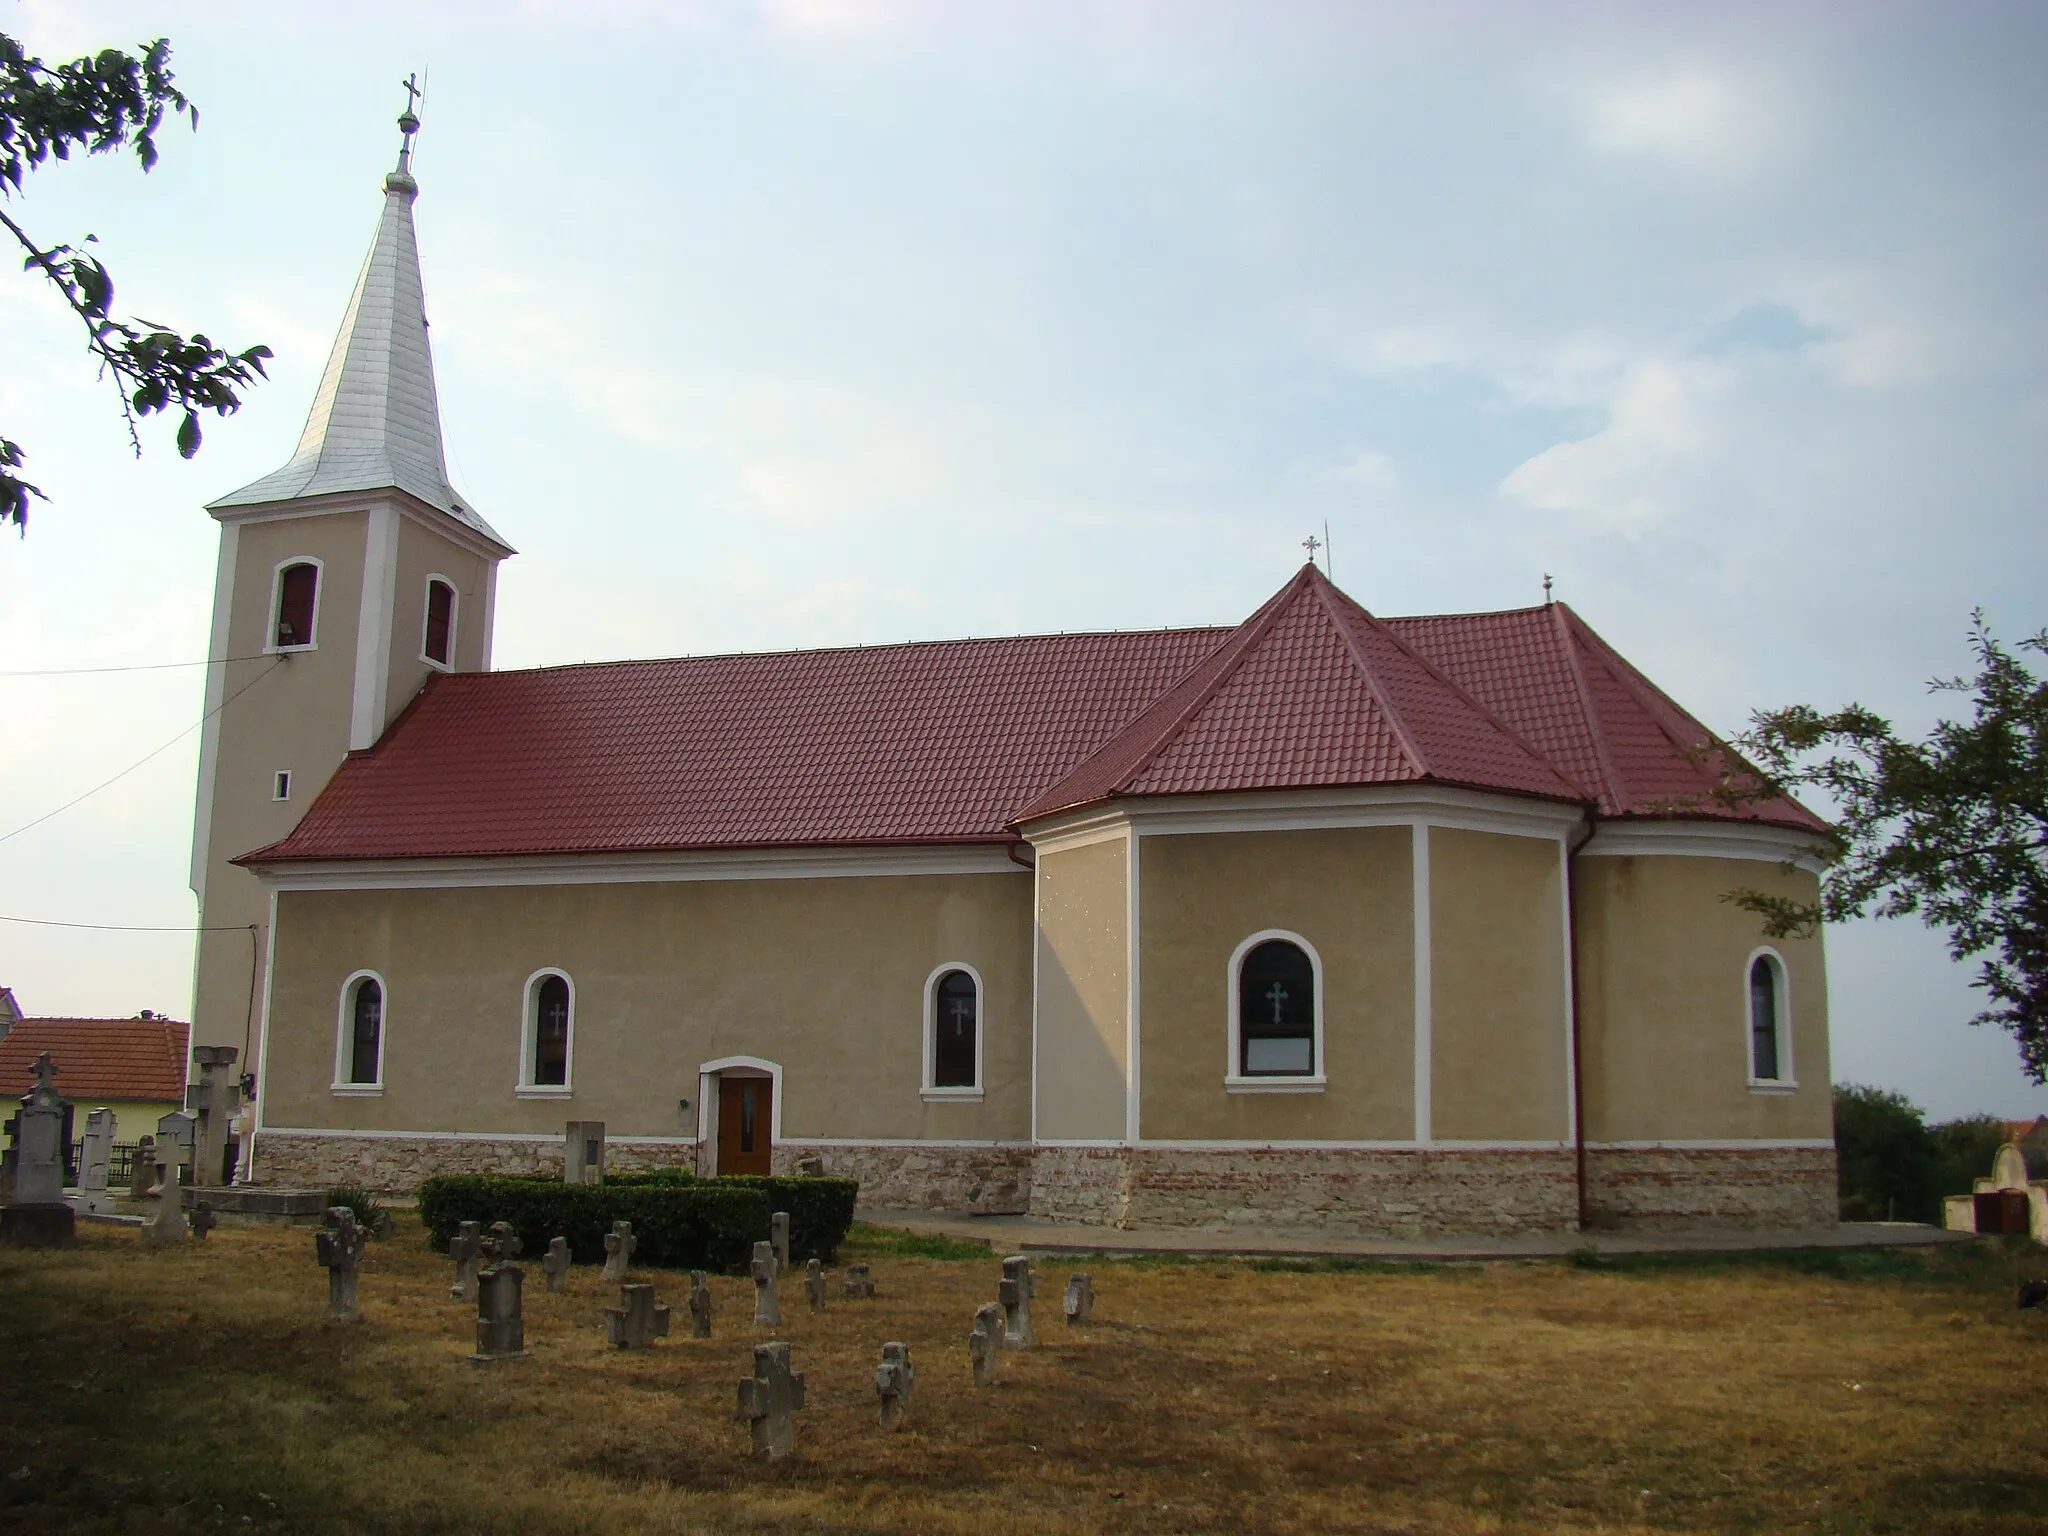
column 984, row 1181
column 396, row 1165
column 1671, row 1189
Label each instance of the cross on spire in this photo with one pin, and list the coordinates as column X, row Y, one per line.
column 1546, row 589
column 1311, row 544
column 408, row 125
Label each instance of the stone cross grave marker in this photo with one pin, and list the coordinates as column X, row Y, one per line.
column 700, row 1305
column 858, row 1285
column 339, row 1248
column 466, row 1248
column 767, row 1308
column 214, row 1101
column 893, row 1381
column 556, row 1264
column 142, row 1172
column 778, row 1235
column 638, row 1320
column 179, row 1129
column 770, row 1398
column 500, row 1328
column 583, row 1152
column 1018, row 1286
column 985, row 1344
column 1080, row 1298
column 501, row 1242
column 37, row 1216
column 165, row 1222
column 99, row 1151
column 203, row 1219
column 814, row 1284
column 619, row 1244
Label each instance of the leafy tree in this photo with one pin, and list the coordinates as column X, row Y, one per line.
column 1954, row 828
column 1964, row 1149
column 96, row 105
column 1886, row 1164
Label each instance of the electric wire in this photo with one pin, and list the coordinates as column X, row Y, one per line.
column 153, row 666
column 45, row 922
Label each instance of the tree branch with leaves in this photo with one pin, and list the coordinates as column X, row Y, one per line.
column 96, row 105
column 1953, row 828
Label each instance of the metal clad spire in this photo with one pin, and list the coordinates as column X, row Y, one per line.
column 376, row 419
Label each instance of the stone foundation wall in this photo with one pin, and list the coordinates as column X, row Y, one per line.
column 1675, row 1188
column 395, row 1165
column 987, row 1181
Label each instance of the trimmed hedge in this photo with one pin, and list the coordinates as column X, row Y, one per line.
column 820, row 1210
column 681, row 1221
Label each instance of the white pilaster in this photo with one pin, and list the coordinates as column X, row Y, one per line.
column 373, row 628
column 1422, row 964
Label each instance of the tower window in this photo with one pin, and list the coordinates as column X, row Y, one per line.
column 298, row 593
column 439, row 645
column 281, row 784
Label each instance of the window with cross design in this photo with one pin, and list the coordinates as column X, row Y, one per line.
column 550, row 1023
column 953, row 1031
column 1276, row 1011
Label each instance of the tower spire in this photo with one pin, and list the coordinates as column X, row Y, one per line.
column 376, row 417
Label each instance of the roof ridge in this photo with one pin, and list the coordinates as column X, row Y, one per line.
column 1486, row 713
column 1603, row 756
column 1417, row 758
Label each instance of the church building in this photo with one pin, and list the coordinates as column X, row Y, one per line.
column 1382, row 925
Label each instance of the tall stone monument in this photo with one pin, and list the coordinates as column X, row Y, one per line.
column 583, row 1152
column 37, row 1216
column 214, row 1099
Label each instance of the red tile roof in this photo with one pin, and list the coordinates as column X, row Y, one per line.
column 98, row 1059
column 955, row 741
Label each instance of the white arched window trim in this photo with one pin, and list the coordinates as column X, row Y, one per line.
column 454, row 618
column 1787, row 1080
column 934, row 1094
column 277, row 571
column 529, row 1009
column 1233, row 1080
column 344, row 1037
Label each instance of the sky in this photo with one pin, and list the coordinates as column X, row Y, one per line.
column 824, row 322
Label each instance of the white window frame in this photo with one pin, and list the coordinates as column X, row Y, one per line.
column 933, row 1094
column 277, row 571
column 454, row 615
column 1233, row 1080
column 1787, row 1080
column 281, row 785
column 344, row 1036
column 529, row 1029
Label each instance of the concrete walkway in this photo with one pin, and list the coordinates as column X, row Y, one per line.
column 1030, row 1234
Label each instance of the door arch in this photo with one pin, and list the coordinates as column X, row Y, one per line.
column 739, row 1110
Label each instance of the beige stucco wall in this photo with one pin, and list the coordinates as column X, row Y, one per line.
column 1349, row 893
column 1664, row 1003
column 824, row 977
column 1499, row 1026
column 421, row 553
column 1083, row 992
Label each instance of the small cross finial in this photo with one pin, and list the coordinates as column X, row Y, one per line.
column 409, row 126
column 1311, row 544
column 1546, row 589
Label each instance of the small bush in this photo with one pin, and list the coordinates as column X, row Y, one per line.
column 369, row 1210
column 708, row 1224
column 820, row 1210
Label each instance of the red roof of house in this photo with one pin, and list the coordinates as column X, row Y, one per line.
column 956, row 741
column 98, row 1059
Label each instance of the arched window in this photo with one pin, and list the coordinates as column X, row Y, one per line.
column 439, row 643
column 298, row 603
column 952, row 1015
column 359, row 1035
column 1276, row 1035
column 1770, row 1035
column 550, row 1032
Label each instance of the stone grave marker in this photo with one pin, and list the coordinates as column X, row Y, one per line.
column 893, row 1381
column 500, row 1328
column 638, row 1320
column 619, row 1244
column 466, row 1248
column 770, row 1397
column 814, row 1284
column 556, row 1264
column 339, row 1248
column 203, row 1219
column 214, row 1100
column 1080, row 1298
column 98, row 1153
column 700, row 1305
column 165, row 1222
column 1018, row 1286
column 501, row 1242
column 244, row 1128
column 583, row 1152
column 181, row 1130
column 142, row 1172
column 858, row 1285
column 985, row 1344
column 37, row 1215
column 778, row 1236
column 767, row 1307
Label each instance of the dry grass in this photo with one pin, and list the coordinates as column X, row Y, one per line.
column 199, row 1389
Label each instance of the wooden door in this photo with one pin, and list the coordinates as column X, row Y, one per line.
column 745, row 1114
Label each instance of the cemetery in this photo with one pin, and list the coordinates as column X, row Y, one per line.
column 336, row 1380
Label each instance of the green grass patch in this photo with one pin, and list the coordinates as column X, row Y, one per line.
column 1987, row 1263
column 864, row 1238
